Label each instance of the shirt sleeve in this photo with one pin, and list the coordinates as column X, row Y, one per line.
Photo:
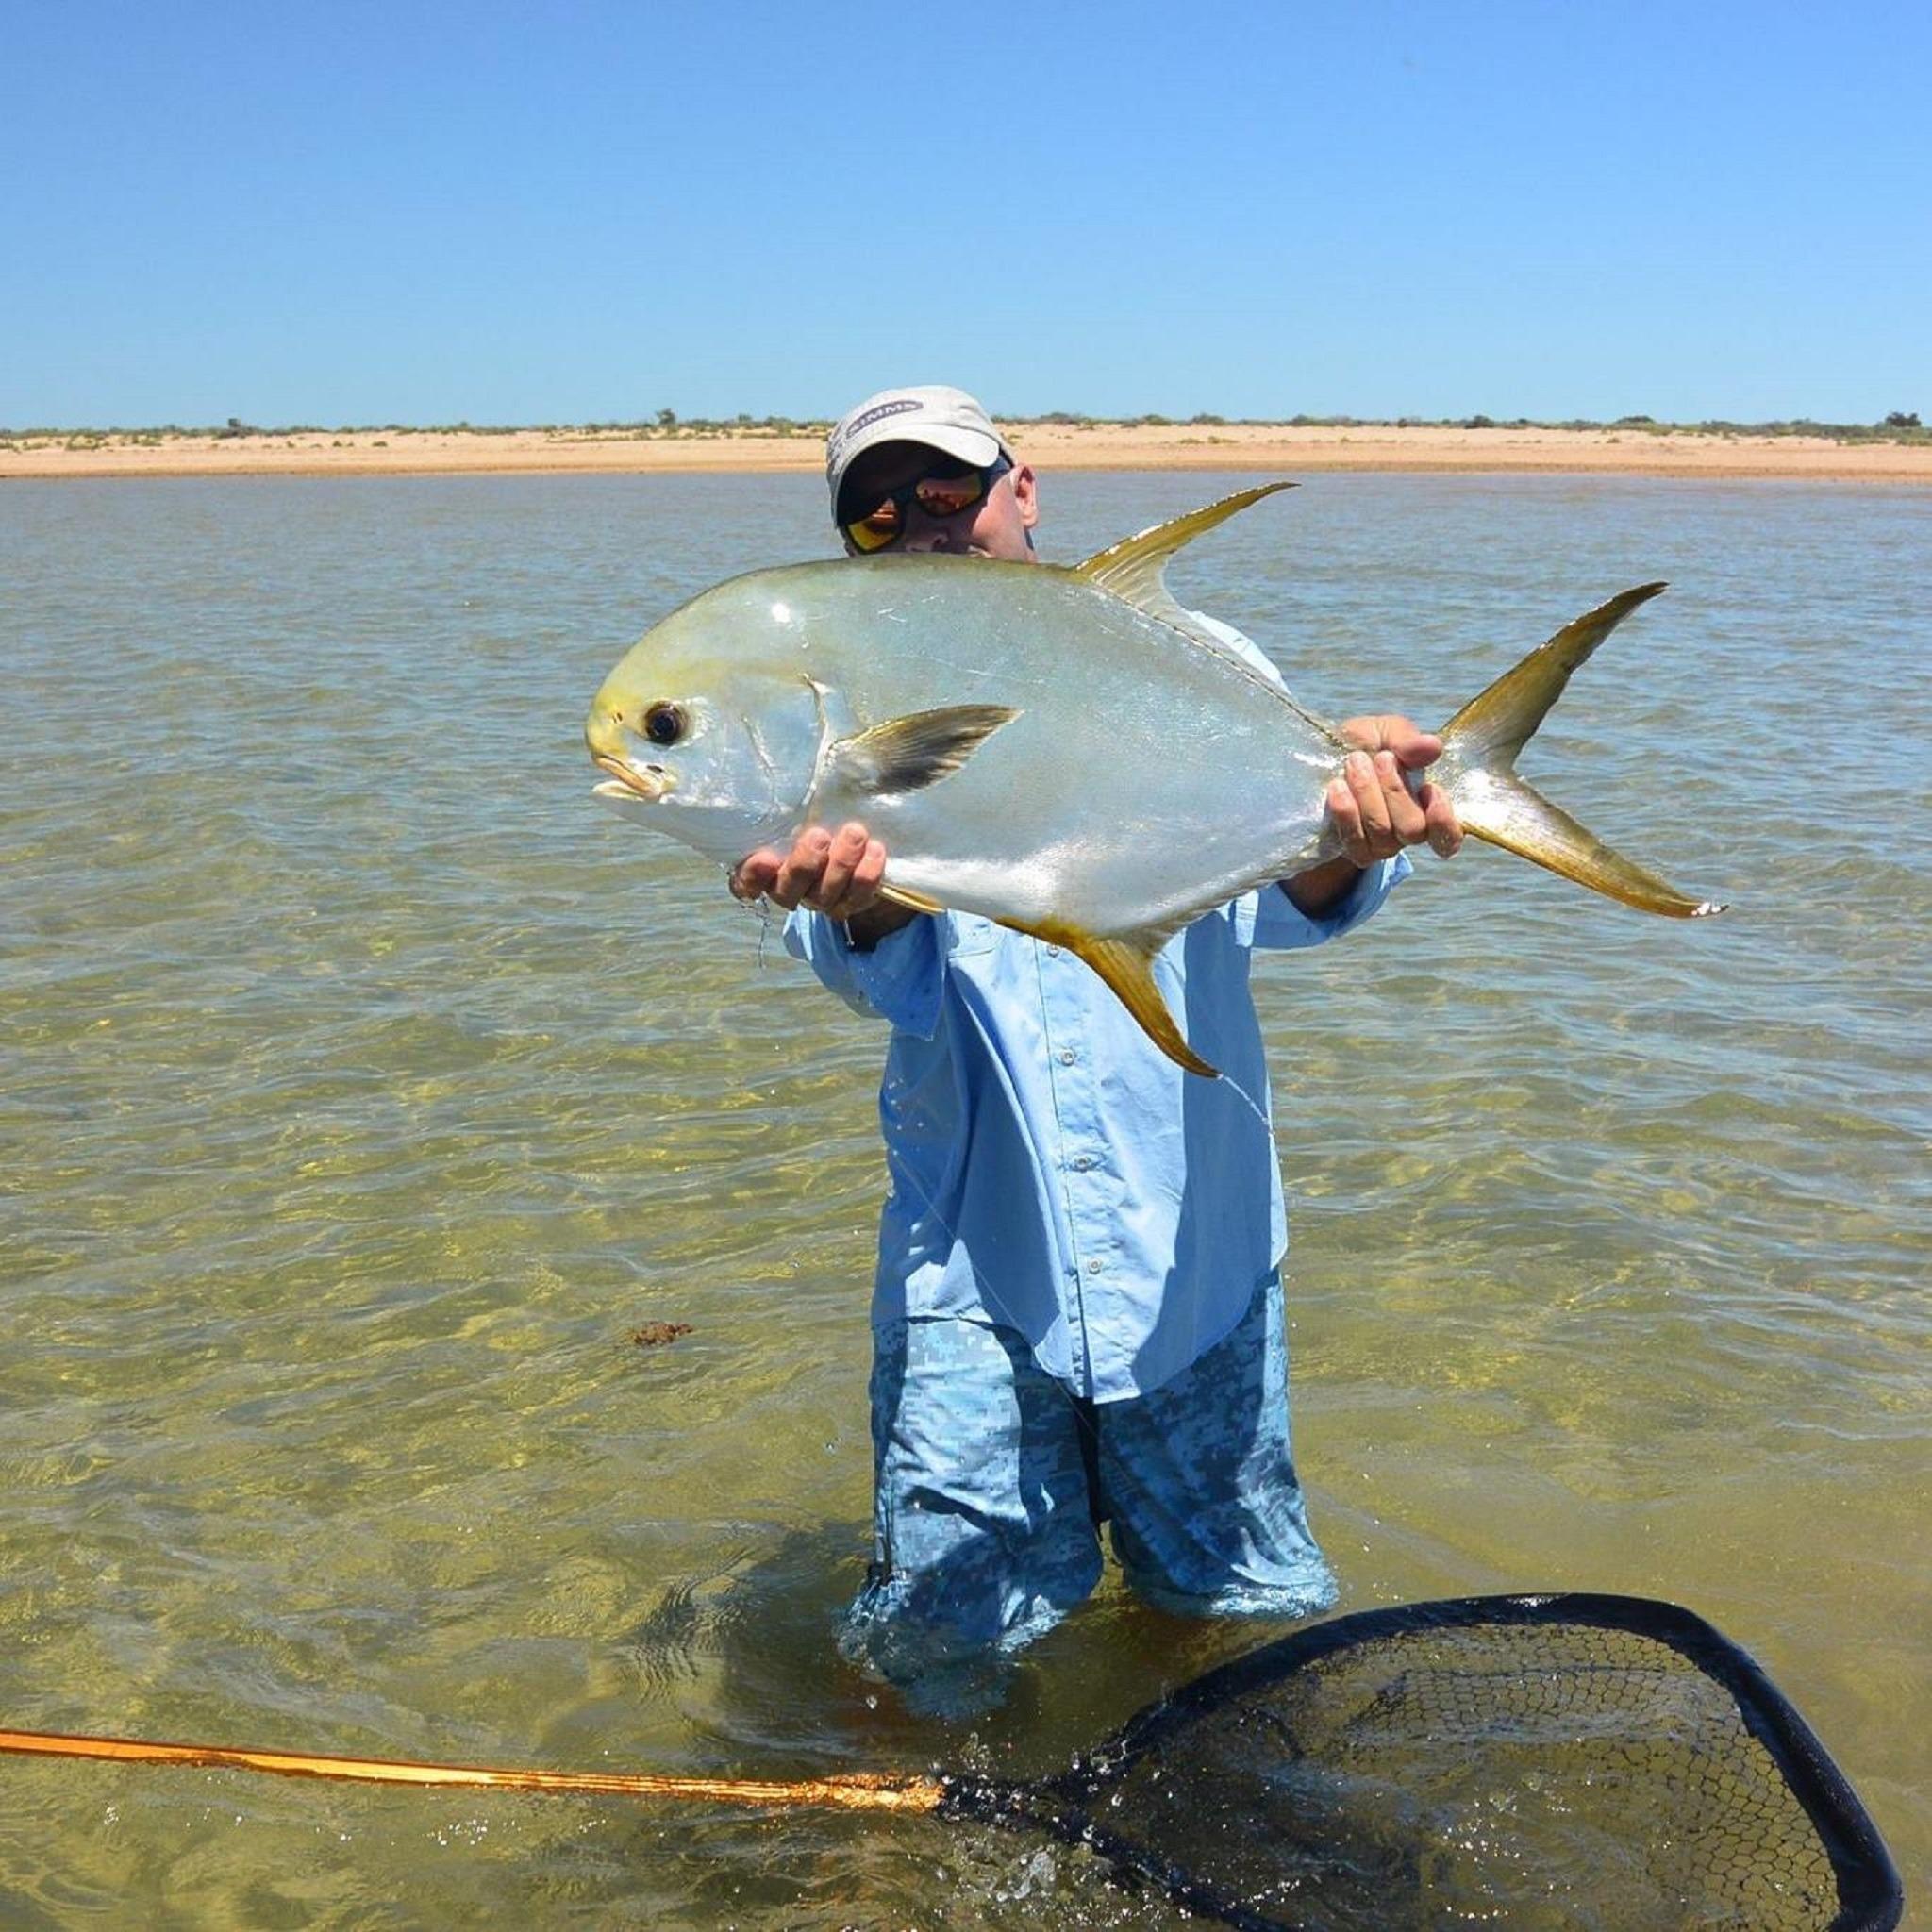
column 900, row 980
column 1280, row 923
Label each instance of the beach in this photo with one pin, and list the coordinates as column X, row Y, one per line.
column 1058, row 445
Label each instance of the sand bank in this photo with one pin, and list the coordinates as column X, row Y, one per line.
column 1264, row 447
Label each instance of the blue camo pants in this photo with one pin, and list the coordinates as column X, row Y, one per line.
column 991, row 1481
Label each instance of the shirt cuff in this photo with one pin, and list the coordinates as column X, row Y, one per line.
column 900, row 980
column 1281, row 924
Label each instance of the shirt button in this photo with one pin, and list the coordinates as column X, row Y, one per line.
column 1053, row 952
column 1068, row 1055
column 1094, row 1266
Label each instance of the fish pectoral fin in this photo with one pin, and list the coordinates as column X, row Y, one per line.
column 1135, row 568
column 1127, row 964
column 904, row 754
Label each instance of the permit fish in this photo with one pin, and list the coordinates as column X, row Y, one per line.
column 1062, row 749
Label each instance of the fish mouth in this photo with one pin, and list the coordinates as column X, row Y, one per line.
column 627, row 781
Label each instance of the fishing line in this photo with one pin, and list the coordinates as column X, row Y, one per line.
column 761, row 909
column 1254, row 1105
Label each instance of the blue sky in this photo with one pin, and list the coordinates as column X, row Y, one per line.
column 348, row 214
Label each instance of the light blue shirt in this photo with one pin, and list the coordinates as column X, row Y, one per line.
column 1050, row 1170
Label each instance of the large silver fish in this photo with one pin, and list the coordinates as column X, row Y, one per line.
column 1064, row 750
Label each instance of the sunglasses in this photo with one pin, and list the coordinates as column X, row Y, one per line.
column 944, row 491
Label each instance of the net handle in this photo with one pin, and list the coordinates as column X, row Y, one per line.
column 854, row 1791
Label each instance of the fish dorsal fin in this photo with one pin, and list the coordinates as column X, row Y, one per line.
column 1127, row 964
column 904, row 754
column 1135, row 568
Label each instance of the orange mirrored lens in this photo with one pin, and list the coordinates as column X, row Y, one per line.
column 876, row 531
column 946, row 496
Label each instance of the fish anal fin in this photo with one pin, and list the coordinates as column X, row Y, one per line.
column 1135, row 568
column 1127, row 964
column 904, row 753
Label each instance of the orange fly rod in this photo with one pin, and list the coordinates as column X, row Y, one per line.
column 856, row 1791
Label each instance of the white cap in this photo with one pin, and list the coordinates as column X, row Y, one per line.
column 944, row 419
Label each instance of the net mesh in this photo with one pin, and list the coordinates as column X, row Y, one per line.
column 1497, row 1763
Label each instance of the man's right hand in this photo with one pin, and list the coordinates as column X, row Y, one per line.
column 834, row 873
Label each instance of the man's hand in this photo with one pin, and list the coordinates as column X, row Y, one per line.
column 1374, row 811
column 834, row 873
column 1371, row 803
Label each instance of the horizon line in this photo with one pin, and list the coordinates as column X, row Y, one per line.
column 1899, row 426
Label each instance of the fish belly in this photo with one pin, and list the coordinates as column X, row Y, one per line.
column 1146, row 779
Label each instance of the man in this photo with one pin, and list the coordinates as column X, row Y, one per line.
column 1077, row 1314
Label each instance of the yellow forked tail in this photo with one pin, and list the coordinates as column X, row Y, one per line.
column 1478, row 768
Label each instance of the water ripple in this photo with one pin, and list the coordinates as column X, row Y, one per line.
column 368, row 1088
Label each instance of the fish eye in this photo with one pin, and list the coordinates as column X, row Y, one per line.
column 663, row 723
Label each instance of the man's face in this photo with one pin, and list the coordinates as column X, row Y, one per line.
column 996, row 526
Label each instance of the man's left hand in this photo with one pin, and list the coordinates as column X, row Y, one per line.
column 1371, row 803
column 1377, row 806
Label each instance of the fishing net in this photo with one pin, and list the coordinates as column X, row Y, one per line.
column 1589, row 1763
column 1524, row 1762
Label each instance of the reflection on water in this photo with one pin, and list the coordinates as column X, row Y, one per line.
column 367, row 1085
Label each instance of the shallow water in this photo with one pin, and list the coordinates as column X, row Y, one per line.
column 367, row 1085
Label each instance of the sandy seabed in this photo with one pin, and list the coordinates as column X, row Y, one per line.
column 1265, row 447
